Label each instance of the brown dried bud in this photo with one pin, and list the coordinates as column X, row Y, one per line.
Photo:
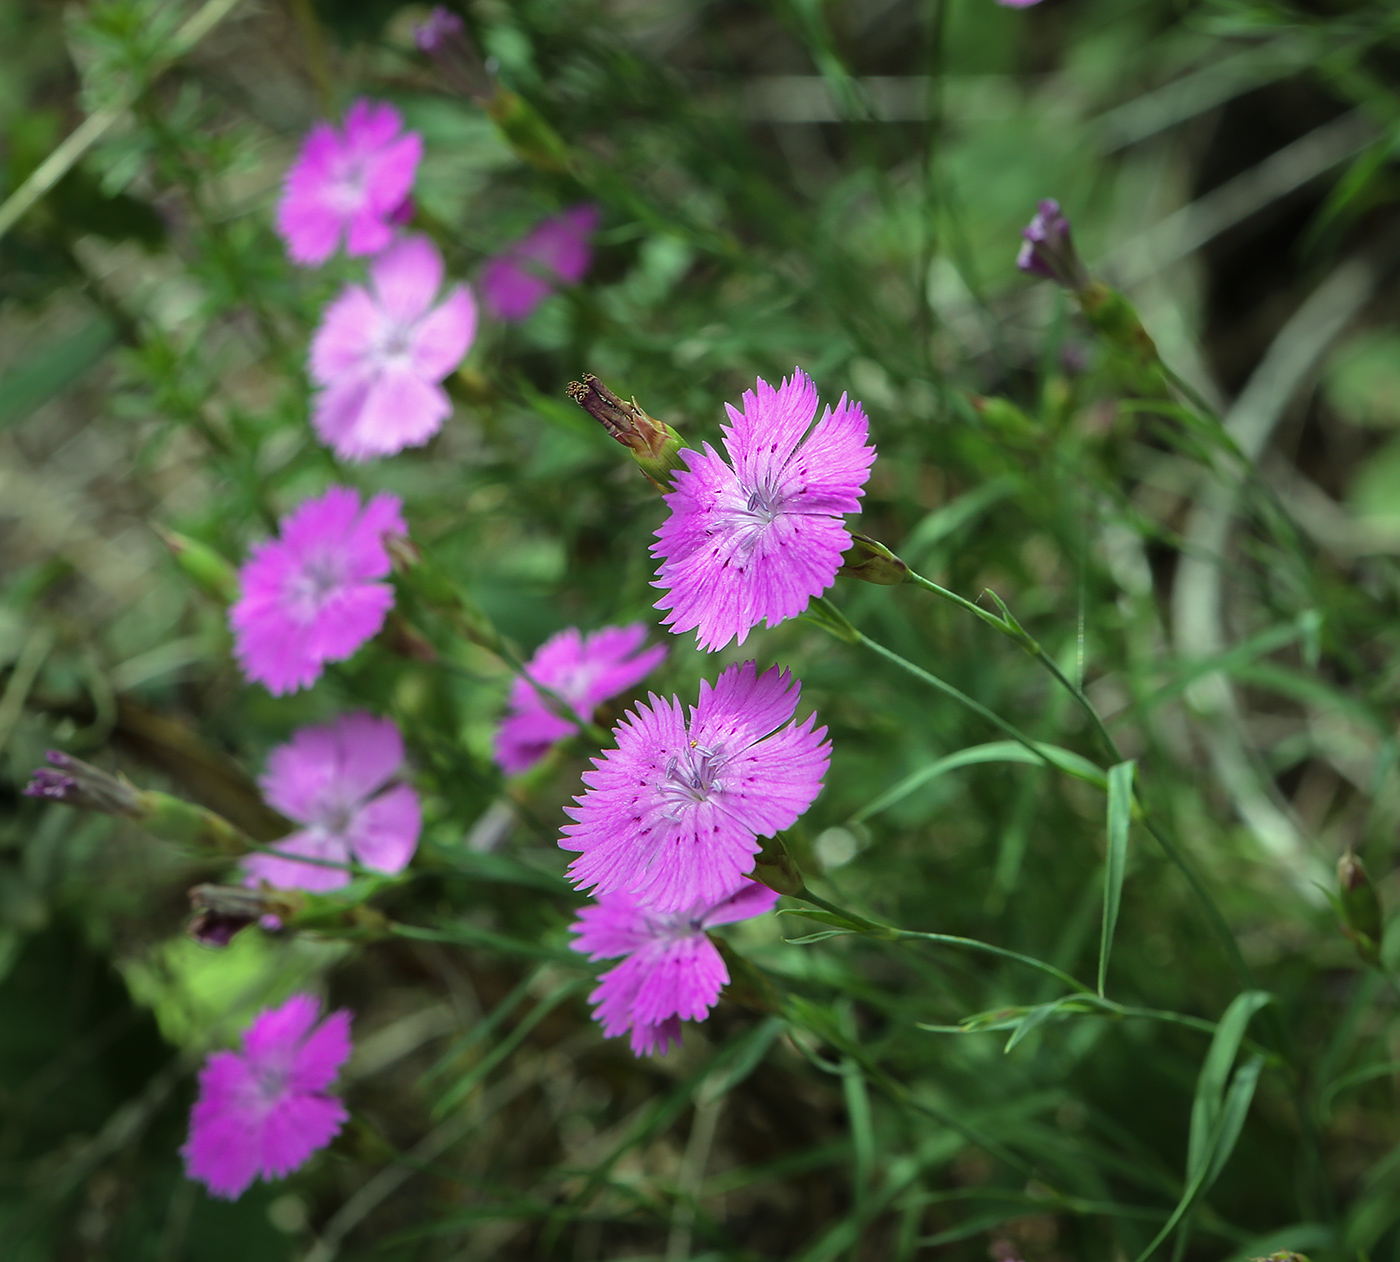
column 653, row 443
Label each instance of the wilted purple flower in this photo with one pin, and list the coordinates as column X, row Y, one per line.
column 672, row 972
column 348, row 182
column 581, row 670
column 1048, row 249
column 336, row 782
column 672, row 815
column 314, row 594
column 382, row 352
column 754, row 538
column 438, row 27
column 263, row 1111
column 1018, row 4
column 556, row 252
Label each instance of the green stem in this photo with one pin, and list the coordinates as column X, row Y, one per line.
column 1032, row 646
column 876, row 929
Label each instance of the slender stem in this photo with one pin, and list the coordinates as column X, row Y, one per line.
column 970, row 944
column 1031, row 646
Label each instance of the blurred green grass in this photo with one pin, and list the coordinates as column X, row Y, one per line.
column 839, row 186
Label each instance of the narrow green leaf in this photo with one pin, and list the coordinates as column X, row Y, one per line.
column 1232, row 1116
column 995, row 751
column 52, row 370
column 1035, row 1018
column 1120, row 815
column 1215, row 1072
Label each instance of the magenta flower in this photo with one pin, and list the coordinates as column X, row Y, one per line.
column 583, row 670
column 263, row 1111
column 556, row 252
column 382, row 353
column 313, row 595
column 348, row 182
column 755, row 537
column 337, row 781
column 672, row 815
column 672, row 972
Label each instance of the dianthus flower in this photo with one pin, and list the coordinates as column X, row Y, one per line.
column 673, row 814
column 336, row 782
column 313, row 595
column 582, row 670
column 263, row 1111
column 672, row 972
column 555, row 252
column 755, row 537
column 382, row 352
column 348, row 182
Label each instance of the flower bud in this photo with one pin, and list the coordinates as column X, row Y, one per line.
column 1048, row 249
column 654, row 444
column 210, row 572
column 89, row 788
column 442, row 36
column 222, row 911
column 777, row 869
column 79, row 784
column 871, row 562
column 1362, row 919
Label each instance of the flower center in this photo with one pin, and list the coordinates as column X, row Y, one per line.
column 691, row 778
column 311, row 587
column 345, row 192
column 765, row 502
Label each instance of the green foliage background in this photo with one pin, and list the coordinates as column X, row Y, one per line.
column 839, row 186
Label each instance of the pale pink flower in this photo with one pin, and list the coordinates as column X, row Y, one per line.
column 581, row 670
column 556, row 252
column 672, row 972
column 348, row 182
column 263, row 1111
column 315, row 594
column 382, row 353
column 753, row 538
column 338, row 782
column 672, row 816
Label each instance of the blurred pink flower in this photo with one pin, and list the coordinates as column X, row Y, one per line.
column 673, row 814
column 436, row 29
column 672, row 972
column 584, row 670
column 263, row 1111
column 313, row 595
column 381, row 354
column 336, row 781
column 753, row 538
column 348, row 182
column 556, row 252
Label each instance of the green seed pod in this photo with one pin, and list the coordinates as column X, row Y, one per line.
column 1362, row 919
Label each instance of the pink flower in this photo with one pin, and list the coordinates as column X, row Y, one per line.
column 381, row 354
column 583, row 670
column 673, row 814
column 312, row 595
column 754, row 538
column 672, row 972
column 264, row 1110
column 348, row 182
column 336, row 780
column 555, row 252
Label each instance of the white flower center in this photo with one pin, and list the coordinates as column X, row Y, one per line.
column 691, row 778
column 311, row 586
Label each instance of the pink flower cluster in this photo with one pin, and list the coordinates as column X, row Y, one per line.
column 667, row 833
